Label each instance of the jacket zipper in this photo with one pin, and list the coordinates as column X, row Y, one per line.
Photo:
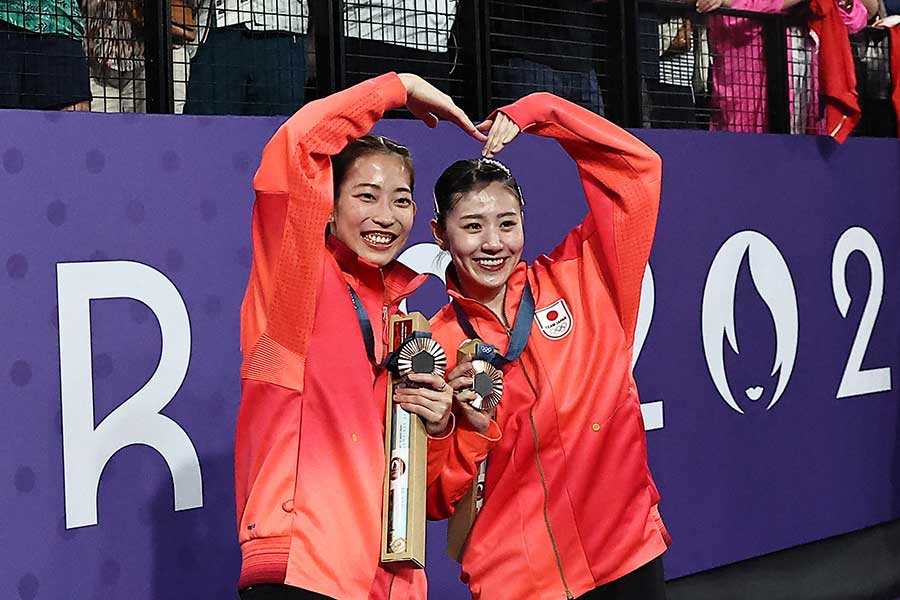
column 540, row 467
column 537, row 460
column 391, row 586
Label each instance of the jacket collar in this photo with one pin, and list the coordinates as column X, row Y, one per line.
column 392, row 283
column 474, row 309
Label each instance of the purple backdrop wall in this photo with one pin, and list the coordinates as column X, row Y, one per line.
column 739, row 476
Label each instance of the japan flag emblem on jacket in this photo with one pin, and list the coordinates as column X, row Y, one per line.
column 555, row 321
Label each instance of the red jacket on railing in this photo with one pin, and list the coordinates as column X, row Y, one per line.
column 837, row 73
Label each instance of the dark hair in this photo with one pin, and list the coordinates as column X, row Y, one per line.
column 463, row 176
column 368, row 144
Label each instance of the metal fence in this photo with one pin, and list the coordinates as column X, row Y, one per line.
column 642, row 63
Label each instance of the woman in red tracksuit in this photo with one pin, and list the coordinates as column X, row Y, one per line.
column 309, row 446
column 570, row 508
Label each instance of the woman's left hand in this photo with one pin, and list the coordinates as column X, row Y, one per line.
column 430, row 398
column 500, row 132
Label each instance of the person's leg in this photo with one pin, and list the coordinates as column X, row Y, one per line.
column 644, row 583
column 516, row 77
column 582, row 89
column 57, row 74
column 216, row 86
column 12, row 67
column 271, row 591
column 181, row 63
column 278, row 74
column 368, row 58
column 106, row 97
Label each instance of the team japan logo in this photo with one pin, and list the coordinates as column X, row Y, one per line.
column 772, row 281
column 555, row 321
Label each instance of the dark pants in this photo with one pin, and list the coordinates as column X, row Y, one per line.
column 241, row 72
column 672, row 106
column 41, row 71
column 644, row 583
column 367, row 58
column 516, row 77
column 273, row 591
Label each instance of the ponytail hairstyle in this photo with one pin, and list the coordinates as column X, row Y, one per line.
column 463, row 176
column 364, row 146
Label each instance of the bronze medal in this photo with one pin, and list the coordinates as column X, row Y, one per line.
column 421, row 355
column 487, row 383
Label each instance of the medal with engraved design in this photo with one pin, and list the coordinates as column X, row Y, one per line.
column 487, row 380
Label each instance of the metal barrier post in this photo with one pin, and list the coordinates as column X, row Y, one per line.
column 327, row 17
column 624, row 98
column 473, row 40
column 158, row 56
column 777, row 82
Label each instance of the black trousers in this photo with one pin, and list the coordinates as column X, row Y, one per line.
column 278, row 591
column 644, row 583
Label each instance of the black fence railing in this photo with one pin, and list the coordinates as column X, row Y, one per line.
column 642, row 63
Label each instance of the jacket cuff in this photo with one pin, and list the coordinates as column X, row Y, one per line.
column 392, row 90
column 527, row 111
column 476, row 445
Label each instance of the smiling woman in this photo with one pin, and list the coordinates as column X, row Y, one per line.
column 479, row 215
column 309, row 446
column 373, row 207
column 569, row 502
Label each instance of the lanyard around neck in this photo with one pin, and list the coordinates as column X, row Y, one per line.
column 518, row 338
column 365, row 324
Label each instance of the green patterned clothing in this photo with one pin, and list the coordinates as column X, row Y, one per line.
column 44, row 16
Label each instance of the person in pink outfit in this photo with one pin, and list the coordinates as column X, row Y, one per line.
column 738, row 96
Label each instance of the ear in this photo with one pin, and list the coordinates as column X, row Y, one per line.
column 438, row 234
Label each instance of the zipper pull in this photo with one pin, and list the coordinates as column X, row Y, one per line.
column 384, row 313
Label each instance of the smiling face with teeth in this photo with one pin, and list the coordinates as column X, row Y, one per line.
column 483, row 233
column 373, row 209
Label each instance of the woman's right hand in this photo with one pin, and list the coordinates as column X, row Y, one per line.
column 705, row 6
column 463, row 395
column 501, row 131
column 430, row 105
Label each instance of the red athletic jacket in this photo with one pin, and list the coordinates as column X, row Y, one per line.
column 309, row 448
column 569, row 500
column 836, row 71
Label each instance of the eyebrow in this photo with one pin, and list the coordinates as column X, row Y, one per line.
column 511, row 213
column 378, row 187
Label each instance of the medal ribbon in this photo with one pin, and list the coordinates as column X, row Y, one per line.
column 365, row 327
column 518, row 338
column 365, row 324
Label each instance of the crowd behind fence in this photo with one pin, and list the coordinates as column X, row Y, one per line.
column 642, row 63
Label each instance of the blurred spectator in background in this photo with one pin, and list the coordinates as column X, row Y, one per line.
column 251, row 59
column 675, row 101
column 545, row 46
column 115, row 50
column 410, row 36
column 42, row 62
column 871, row 50
column 738, row 95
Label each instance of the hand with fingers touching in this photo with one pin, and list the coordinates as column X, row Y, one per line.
column 705, row 6
column 463, row 394
column 429, row 396
column 430, row 104
column 501, row 131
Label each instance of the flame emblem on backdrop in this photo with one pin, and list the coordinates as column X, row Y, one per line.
column 773, row 282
